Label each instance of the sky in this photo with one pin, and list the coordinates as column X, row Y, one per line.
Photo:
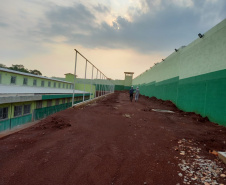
column 117, row 36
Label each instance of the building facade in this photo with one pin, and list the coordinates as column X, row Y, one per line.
column 26, row 97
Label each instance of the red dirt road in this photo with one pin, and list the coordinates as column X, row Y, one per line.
column 114, row 141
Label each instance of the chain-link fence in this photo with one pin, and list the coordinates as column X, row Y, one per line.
column 89, row 79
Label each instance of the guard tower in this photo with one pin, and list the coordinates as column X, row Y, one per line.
column 128, row 80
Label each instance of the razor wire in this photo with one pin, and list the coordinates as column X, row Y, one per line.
column 89, row 80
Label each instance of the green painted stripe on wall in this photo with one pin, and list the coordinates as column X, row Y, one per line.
column 119, row 87
column 57, row 96
column 209, row 76
column 21, row 120
column 46, row 111
column 127, row 87
column 4, row 125
column 203, row 94
column 170, row 80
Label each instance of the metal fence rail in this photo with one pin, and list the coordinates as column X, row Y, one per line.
column 92, row 79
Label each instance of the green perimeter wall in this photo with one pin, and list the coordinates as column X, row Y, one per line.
column 194, row 78
column 120, row 85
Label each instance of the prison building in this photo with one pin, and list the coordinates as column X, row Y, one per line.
column 27, row 97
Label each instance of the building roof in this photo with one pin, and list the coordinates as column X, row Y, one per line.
column 13, row 93
column 15, row 89
column 32, row 75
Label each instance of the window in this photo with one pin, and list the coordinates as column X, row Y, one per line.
column 27, row 109
column 18, row 110
column 13, row 80
column 0, row 78
column 3, row 113
column 49, row 103
column 34, row 82
column 54, row 84
column 49, row 84
column 25, row 81
column 57, row 102
column 67, row 86
column 69, row 100
column 63, row 101
column 38, row 104
column 59, row 85
column 42, row 83
column 63, row 83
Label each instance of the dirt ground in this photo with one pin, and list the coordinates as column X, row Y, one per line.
column 116, row 142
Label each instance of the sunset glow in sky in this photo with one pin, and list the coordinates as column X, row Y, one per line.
column 115, row 35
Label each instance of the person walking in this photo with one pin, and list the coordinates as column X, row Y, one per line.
column 131, row 93
column 137, row 94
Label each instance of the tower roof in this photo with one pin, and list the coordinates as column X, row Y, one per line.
column 129, row 72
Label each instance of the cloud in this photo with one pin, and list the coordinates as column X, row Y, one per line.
column 148, row 26
column 2, row 24
column 162, row 26
column 101, row 8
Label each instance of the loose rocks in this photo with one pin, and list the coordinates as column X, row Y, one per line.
column 195, row 168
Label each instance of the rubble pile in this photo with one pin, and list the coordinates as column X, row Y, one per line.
column 197, row 169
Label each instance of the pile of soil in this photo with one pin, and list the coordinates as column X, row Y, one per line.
column 53, row 122
column 172, row 107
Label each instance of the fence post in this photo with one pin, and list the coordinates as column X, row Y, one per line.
column 99, row 86
column 84, row 83
column 91, row 84
column 96, row 84
column 74, row 79
column 102, row 84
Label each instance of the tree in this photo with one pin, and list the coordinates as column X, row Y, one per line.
column 3, row 66
column 19, row 67
column 35, row 72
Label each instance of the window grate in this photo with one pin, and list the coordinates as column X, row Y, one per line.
column 17, row 110
column 34, row 82
column 57, row 102
column 3, row 113
column 49, row 103
column 38, row 104
column 42, row 83
column 25, row 81
column 13, row 80
column 27, row 109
